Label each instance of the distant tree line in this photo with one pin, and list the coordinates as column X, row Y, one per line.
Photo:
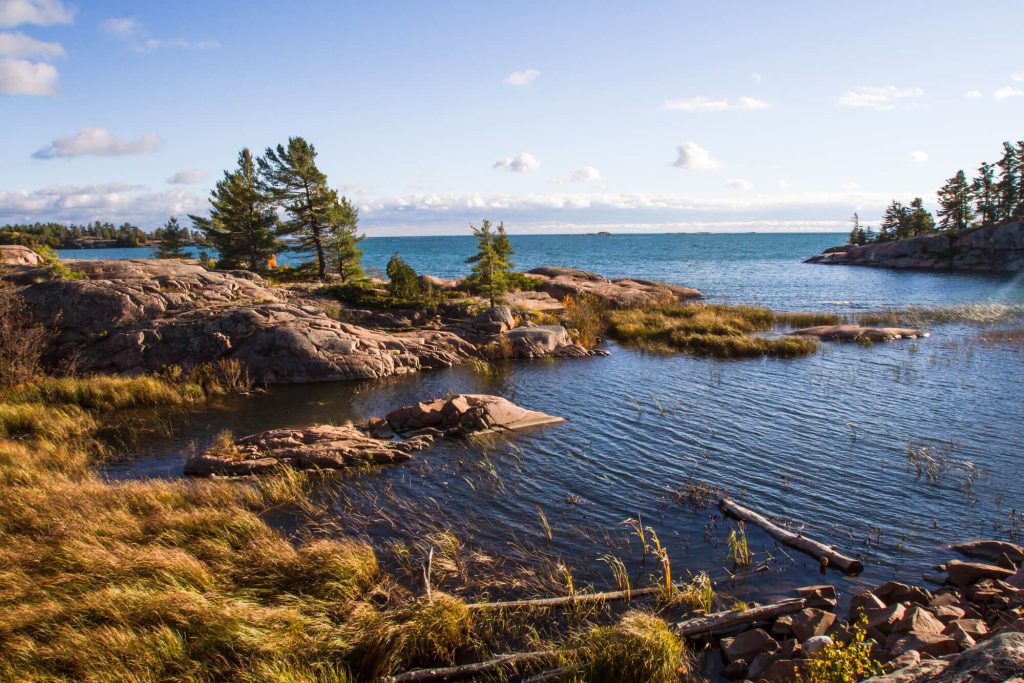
column 995, row 195
column 282, row 200
column 60, row 236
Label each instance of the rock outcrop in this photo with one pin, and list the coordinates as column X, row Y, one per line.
column 142, row 315
column 996, row 660
column 321, row 446
column 17, row 255
column 372, row 443
column 991, row 249
column 856, row 333
column 504, row 335
column 617, row 293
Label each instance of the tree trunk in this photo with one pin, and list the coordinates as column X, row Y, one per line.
column 452, row 673
column 820, row 551
column 722, row 620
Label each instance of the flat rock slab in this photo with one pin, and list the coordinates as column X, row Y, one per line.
column 618, row 293
column 465, row 414
column 856, row 333
column 321, row 446
column 992, row 551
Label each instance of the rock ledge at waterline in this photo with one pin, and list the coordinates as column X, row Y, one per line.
column 991, row 249
column 371, row 443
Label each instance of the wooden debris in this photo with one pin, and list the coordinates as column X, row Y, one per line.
column 722, row 620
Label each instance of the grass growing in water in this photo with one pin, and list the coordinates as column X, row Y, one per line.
column 641, row 647
column 714, row 330
column 738, row 550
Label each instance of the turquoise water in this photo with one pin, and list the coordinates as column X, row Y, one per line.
column 821, row 440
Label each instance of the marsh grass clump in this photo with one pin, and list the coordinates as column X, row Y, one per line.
column 919, row 316
column 641, row 648
column 699, row 593
column 106, row 393
column 717, row 331
column 586, row 315
column 738, row 548
column 22, row 340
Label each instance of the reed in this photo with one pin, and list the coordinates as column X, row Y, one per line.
column 738, row 549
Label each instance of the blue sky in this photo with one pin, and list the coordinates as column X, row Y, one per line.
column 554, row 117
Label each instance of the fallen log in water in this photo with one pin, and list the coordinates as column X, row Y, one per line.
column 578, row 599
column 824, row 554
column 718, row 621
column 452, row 673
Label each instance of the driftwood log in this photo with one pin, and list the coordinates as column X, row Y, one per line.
column 719, row 621
column 823, row 553
column 453, row 673
column 578, row 599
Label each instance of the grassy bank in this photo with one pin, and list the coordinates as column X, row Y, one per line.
column 181, row 580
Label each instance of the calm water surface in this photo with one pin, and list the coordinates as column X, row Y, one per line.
column 822, row 440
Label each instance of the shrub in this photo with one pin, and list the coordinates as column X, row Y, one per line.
column 839, row 662
column 641, row 648
column 403, row 281
column 586, row 314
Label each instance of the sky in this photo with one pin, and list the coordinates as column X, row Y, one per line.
column 553, row 117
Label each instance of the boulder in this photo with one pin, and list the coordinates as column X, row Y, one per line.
column 990, row 550
column 992, row 661
column 966, row 573
column 858, row 333
column 439, row 283
column 976, row 628
column 894, row 591
column 883, row 619
column 948, row 613
column 747, row 645
column 934, row 644
column 864, row 601
column 814, row 645
column 320, row 446
column 734, row 671
column 820, row 597
column 465, row 414
column 918, row 620
column 617, row 293
column 785, row 671
column 811, row 622
column 17, row 255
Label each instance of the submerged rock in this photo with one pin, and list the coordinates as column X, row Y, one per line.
column 465, row 414
column 851, row 333
column 320, row 446
column 617, row 293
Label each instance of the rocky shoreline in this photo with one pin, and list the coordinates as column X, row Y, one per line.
column 990, row 249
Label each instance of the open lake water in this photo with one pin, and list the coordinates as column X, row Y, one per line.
column 821, row 440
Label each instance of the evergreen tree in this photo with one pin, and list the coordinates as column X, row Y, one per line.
column 291, row 178
column 895, row 222
column 172, row 240
column 955, row 206
column 342, row 240
column 502, row 247
column 242, row 220
column 919, row 219
column 857, row 235
column 986, row 194
column 1010, row 202
column 490, row 263
column 404, row 283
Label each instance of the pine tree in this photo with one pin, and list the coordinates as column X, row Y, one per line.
column 490, row 263
column 1010, row 188
column 919, row 218
column 172, row 240
column 895, row 222
column 242, row 221
column 404, row 283
column 291, row 178
column 955, row 203
column 857, row 234
column 342, row 241
column 503, row 248
column 986, row 194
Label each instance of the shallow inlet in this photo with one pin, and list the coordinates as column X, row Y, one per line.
column 822, row 440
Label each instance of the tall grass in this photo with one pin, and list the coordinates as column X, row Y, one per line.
column 640, row 648
column 713, row 330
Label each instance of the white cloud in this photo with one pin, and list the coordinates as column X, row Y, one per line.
column 918, row 156
column 134, row 33
column 972, row 94
column 1017, row 77
column 756, row 76
column 695, row 158
column 40, row 12
column 702, row 103
column 1008, row 91
column 880, row 98
column 782, row 184
column 520, row 163
column 20, row 45
column 111, row 201
column 188, row 176
column 524, row 77
column 96, row 142
column 582, row 174
column 19, row 77
column 739, row 184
